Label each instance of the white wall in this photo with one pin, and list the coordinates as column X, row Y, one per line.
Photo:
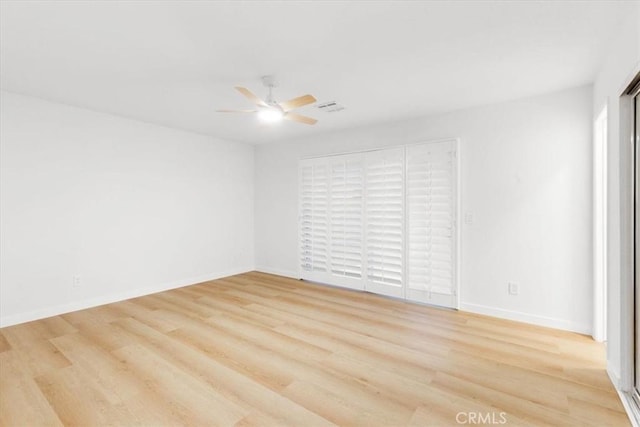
column 130, row 207
column 621, row 64
column 526, row 177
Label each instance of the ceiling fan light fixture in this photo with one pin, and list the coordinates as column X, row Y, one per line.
column 270, row 115
column 271, row 111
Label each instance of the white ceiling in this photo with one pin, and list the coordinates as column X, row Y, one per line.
column 175, row 62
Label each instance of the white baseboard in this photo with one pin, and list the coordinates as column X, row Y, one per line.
column 29, row 316
column 278, row 272
column 533, row 319
column 615, row 379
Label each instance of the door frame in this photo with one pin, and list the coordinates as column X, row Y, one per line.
column 635, row 220
column 626, row 382
column 600, row 247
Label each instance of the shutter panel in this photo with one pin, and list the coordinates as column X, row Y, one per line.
column 431, row 216
column 384, row 211
column 345, row 217
column 314, row 245
column 306, row 212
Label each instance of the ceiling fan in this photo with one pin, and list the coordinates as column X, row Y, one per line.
column 269, row 110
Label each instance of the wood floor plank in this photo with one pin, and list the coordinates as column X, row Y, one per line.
column 407, row 362
column 103, row 334
column 261, row 365
column 267, row 337
column 30, row 332
column 115, row 380
column 39, row 357
column 77, row 402
column 21, row 400
column 346, row 410
column 257, row 349
column 594, row 414
column 4, row 344
column 517, row 407
column 150, row 317
column 230, row 308
column 193, row 399
column 231, row 383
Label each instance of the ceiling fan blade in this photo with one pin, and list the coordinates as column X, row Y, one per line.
column 236, row 111
column 300, row 118
column 250, row 96
column 297, row 102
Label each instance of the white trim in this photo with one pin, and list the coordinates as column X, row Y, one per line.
column 108, row 299
column 624, row 87
column 600, row 155
column 550, row 322
column 458, row 239
column 279, row 272
column 614, row 377
column 386, row 147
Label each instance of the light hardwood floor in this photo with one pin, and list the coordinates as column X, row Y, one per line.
column 258, row 349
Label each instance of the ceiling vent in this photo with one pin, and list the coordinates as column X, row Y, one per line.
column 330, row 107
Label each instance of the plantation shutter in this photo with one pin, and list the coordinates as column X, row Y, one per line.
column 345, row 219
column 431, row 223
column 314, row 244
column 383, row 221
column 384, row 217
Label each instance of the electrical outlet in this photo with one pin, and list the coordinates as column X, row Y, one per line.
column 76, row 281
column 468, row 218
column 513, row 288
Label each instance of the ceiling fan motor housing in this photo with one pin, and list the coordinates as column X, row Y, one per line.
column 270, row 82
